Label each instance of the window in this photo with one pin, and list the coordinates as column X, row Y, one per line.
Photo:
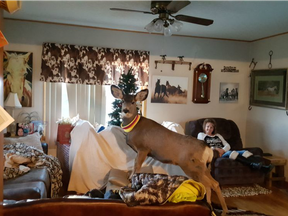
column 64, row 102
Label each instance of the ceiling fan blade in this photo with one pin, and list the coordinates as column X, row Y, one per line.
column 128, row 10
column 175, row 6
column 195, row 20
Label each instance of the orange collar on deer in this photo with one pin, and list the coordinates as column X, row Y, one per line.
column 131, row 125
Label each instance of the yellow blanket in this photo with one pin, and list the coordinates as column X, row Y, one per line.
column 189, row 191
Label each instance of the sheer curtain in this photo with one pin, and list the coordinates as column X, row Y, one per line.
column 89, row 101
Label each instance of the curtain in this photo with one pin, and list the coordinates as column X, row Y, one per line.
column 85, row 70
column 53, row 111
column 92, row 65
column 85, row 100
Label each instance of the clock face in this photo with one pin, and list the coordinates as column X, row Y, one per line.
column 202, row 78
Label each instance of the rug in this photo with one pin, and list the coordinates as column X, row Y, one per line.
column 234, row 211
column 239, row 212
column 242, row 191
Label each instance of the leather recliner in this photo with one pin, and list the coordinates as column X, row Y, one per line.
column 225, row 170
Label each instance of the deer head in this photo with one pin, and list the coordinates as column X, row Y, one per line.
column 129, row 109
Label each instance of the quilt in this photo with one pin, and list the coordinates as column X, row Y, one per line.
column 37, row 159
column 157, row 189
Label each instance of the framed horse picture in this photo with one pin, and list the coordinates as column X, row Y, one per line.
column 228, row 92
column 169, row 89
column 17, row 68
column 269, row 88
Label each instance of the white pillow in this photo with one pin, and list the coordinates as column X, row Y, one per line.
column 173, row 127
column 30, row 140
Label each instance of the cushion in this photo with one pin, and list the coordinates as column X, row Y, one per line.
column 120, row 178
column 30, row 140
column 34, row 175
column 25, row 190
column 173, row 127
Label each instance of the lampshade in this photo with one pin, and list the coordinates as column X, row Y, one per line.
column 11, row 6
column 12, row 101
column 165, row 25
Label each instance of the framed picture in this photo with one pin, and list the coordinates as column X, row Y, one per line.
column 228, row 92
column 17, row 68
column 269, row 88
column 169, row 89
column 24, row 129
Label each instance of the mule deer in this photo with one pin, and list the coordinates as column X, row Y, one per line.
column 148, row 138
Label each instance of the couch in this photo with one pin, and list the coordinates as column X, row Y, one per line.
column 225, row 170
column 99, row 207
column 33, row 185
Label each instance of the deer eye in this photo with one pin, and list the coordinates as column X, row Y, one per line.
column 132, row 102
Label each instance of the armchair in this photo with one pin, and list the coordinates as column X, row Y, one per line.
column 225, row 170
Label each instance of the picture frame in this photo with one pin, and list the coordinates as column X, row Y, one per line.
column 228, row 92
column 23, row 129
column 269, row 88
column 18, row 64
column 169, row 89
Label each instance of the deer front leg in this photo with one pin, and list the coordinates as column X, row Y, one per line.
column 141, row 156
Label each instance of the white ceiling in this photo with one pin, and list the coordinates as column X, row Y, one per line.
column 237, row 20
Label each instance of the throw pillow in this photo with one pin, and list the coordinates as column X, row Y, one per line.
column 30, row 140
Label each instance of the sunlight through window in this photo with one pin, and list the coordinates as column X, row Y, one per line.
column 65, row 102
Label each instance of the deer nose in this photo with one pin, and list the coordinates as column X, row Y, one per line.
column 125, row 110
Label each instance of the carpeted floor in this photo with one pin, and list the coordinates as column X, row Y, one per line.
column 244, row 191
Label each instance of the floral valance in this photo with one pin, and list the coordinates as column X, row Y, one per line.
column 92, row 65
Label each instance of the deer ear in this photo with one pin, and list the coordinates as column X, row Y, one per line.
column 142, row 95
column 116, row 92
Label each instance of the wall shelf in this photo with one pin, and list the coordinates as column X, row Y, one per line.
column 173, row 62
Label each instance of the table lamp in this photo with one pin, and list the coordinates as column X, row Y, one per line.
column 12, row 102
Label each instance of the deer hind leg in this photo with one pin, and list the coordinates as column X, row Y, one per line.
column 199, row 172
column 208, row 180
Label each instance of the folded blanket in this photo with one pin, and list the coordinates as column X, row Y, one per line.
column 38, row 160
column 151, row 189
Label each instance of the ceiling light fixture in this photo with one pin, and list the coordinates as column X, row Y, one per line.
column 164, row 24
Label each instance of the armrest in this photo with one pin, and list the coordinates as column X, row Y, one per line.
column 45, row 147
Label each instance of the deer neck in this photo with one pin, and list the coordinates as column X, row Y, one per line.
column 129, row 127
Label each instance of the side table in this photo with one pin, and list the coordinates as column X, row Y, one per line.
column 277, row 174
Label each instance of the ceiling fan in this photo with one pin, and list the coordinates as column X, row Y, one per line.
column 165, row 10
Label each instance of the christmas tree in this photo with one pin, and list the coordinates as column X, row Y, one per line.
column 128, row 86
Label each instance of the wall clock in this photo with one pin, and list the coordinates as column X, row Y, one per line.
column 202, row 83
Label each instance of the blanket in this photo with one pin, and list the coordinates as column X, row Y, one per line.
column 37, row 159
column 97, row 153
column 152, row 189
